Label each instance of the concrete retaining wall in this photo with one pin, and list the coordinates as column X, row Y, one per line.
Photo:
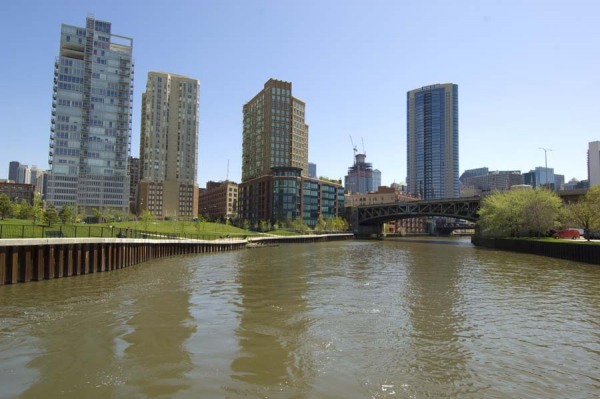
column 578, row 252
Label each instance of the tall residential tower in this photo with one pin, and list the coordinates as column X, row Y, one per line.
column 276, row 186
column 275, row 134
column 432, row 141
column 91, row 119
column 169, row 146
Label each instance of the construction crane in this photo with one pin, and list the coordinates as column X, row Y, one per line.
column 353, row 146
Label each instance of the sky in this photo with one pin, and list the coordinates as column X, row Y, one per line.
column 528, row 74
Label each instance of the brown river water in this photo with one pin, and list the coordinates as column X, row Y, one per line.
column 403, row 318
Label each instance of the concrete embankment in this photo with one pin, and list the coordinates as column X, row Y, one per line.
column 575, row 251
column 25, row 260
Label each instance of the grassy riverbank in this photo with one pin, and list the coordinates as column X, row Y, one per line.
column 18, row 228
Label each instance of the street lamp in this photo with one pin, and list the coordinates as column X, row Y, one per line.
column 546, row 161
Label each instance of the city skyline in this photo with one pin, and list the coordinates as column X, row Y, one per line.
column 523, row 70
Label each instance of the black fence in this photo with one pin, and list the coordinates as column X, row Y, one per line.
column 63, row 231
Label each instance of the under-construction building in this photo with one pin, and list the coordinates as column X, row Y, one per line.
column 361, row 177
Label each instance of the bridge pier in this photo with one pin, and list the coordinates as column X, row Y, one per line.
column 369, row 231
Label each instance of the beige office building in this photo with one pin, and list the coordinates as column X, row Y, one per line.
column 169, row 146
column 274, row 133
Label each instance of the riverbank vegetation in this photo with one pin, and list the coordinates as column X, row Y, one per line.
column 537, row 213
column 24, row 220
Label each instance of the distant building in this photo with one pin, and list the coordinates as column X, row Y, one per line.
column 218, row 201
column 390, row 195
column 376, row 178
column 529, row 179
column 13, row 168
column 169, row 146
column 432, row 141
column 134, row 179
column 542, row 177
column 360, row 176
column 594, row 163
column 383, row 195
column 312, row 170
column 91, row 119
column 473, row 172
column 571, row 184
column 17, row 192
column 559, row 182
column 492, row 181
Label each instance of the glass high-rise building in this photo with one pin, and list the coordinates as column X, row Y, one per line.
column 432, row 141
column 91, row 119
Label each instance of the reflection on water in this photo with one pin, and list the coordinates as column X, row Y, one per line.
column 406, row 318
column 272, row 323
column 437, row 357
column 155, row 359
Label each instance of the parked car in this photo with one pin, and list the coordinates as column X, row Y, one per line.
column 594, row 235
column 567, row 233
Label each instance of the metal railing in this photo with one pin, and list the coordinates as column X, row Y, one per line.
column 8, row 231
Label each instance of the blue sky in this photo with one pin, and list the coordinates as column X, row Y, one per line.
column 528, row 74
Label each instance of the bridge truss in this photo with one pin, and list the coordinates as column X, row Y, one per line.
column 459, row 208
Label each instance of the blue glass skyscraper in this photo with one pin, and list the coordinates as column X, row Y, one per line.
column 432, row 141
column 91, row 119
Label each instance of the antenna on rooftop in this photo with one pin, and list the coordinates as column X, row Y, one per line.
column 227, row 174
column 363, row 146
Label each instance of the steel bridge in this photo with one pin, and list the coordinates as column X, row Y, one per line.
column 369, row 219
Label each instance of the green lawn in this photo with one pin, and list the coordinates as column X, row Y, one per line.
column 18, row 228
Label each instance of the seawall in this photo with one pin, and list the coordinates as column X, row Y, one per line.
column 26, row 260
column 578, row 252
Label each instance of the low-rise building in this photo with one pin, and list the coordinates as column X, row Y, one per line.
column 218, row 201
column 284, row 195
column 18, row 192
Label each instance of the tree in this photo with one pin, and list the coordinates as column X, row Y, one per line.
column 6, row 206
column 542, row 211
column 37, row 209
column 146, row 217
column 519, row 212
column 264, row 225
column 299, row 225
column 50, row 215
column 67, row 213
column 97, row 214
column 320, row 223
column 585, row 213
column 330, row 224
column 25, row 210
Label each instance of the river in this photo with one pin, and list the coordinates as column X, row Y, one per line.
column 400, row 318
